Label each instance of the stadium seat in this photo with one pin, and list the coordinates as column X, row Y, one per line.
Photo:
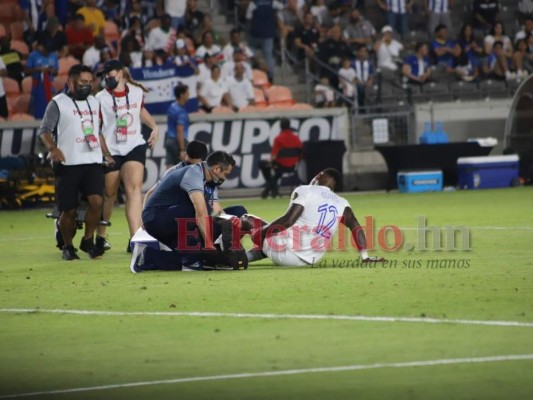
column 22, row 104
column 437, row 91
column 493, row 89
column 280, row 95
column 11, row 86
column 20, row 46
column 260, row 78
column 27, row 83
column 513, row 85
column 21, row 117
column 249, row 109
column 259, row 96
column 2, row 30
column 65, row 64
column 111, row 32
column 17, row 30
column 59, row 82
column 302, row 106
column 464, row 90
column 222, row 110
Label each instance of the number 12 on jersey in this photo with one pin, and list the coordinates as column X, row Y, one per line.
column 327, row 219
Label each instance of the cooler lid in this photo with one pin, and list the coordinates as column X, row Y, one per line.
column 488, row 159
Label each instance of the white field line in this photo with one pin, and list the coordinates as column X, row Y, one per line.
column 202, row 314
column 356, row 367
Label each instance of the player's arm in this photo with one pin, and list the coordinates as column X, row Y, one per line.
column 217, row 208
column 202, row 217
column 349, row 219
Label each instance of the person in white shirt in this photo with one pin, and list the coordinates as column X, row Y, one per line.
column 70, row 130
column 208, row 47
column 388, row 50
column 122, row 105
column 228, row 68
column 348, row 76
column 236, row 43
column 161, row 37
column 303, row 234
column 214, row 92
column 240, row 89
column 176, row 9
column 497, row 33
column 91, row 57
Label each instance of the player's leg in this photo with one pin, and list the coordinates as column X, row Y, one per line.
column 92, row 187
column 266, row 171
column 111, row 183
column 67, row 186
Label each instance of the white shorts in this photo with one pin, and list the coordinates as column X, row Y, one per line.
column 281, row 253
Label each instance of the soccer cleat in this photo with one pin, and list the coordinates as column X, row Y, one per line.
column 87, row 245
column 137, row 258
column 69, row 253
column 102, row 243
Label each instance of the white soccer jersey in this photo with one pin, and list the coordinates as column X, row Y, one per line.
column 309, row 238
column 70, row 136
column 128, row 107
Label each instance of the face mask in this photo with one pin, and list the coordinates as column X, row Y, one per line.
column 111, row 82
column 216, row 182
column 81, row 92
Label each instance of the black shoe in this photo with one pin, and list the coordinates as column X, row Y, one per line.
column 102, row 243
column 128, row 249
column 59, row 237
column 89, row 247
column 69, row 253
column 264, row 193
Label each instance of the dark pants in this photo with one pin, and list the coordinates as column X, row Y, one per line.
column 272, row 173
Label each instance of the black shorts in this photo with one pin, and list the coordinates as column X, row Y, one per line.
column 70, row 180
column 137, row 154
column 173, row 151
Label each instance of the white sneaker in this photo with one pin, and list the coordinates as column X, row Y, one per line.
column 137, row 258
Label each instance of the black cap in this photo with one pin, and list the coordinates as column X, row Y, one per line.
column 110, row 65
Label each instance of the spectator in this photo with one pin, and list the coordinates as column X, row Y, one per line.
column 94, row 17
column 3, row 101
column 485, row 15
column 161, row 36
column 397, row 14
column 347, row 77
column 235, row 42
column 176, row 10
column 79, row 37
column 204, row 69
column 262, row 17
column 273, row 170
column 193, row 17
column 55, row 39
column 105, row 55
column 388, row 50
column 43, row 66
column 331, row 52
column 150, row 9
column 207, row 26
column 11, row 60
column 209, row 47
column 177, row 127
column 112, row 11
column 288, row 22
column 468, row 41
column 464, row 66
column 135, row 11
column 320, row 12
column 439, row 12
column 34, row 18
column 360, row 32
column 135, row 30
column 527, row 29
column 91, row 57
column 240, row 89
column 182, row 57
column 496, row 66
column 416, row 67
column 306, row 37
column 442, row 47
column 214, row 92
column 525, row 9
column 324, row 94
column 131, row 55
column 522, row 59
column 497, row 34
column 228, row 68
column 364, row 74
column 160, row 58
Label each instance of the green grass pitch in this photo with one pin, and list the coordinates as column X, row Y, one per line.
column 42, row 352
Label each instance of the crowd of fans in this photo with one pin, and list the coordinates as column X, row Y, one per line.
column 339, row 33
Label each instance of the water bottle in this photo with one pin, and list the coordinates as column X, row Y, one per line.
column 426, row 137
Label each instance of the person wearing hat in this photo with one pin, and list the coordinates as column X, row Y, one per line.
column 388, row 50
column 122, row 105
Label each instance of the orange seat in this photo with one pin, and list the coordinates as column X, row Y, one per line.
column 2, row 30
column 260, row 78
column 27, row 83
column 222, row 110
column 65, row 64
column 11, row 100
column 249, row 109
column 11, row 86
column 279, row 107
column 22, row 104
column 59, row 82
column 259, row 97
column 21, row 117
column 111, row 32
column 279, row 95
column 302, row 106
column 7, row 13
column 20, row 46
column 17, row 30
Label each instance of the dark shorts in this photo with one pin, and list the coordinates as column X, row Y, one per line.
column 173, row 151
column 137, row 154
column 70, row 180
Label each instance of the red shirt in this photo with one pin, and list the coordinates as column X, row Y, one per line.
column 286, row 140
column 82, row 37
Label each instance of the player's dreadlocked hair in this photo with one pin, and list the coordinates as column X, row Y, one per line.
column 336, row 176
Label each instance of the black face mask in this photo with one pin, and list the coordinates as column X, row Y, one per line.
column 216, row 182
column 111, row 82
column 81, row 92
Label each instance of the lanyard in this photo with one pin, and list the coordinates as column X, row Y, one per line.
column 115, row 103
column 79, row 111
